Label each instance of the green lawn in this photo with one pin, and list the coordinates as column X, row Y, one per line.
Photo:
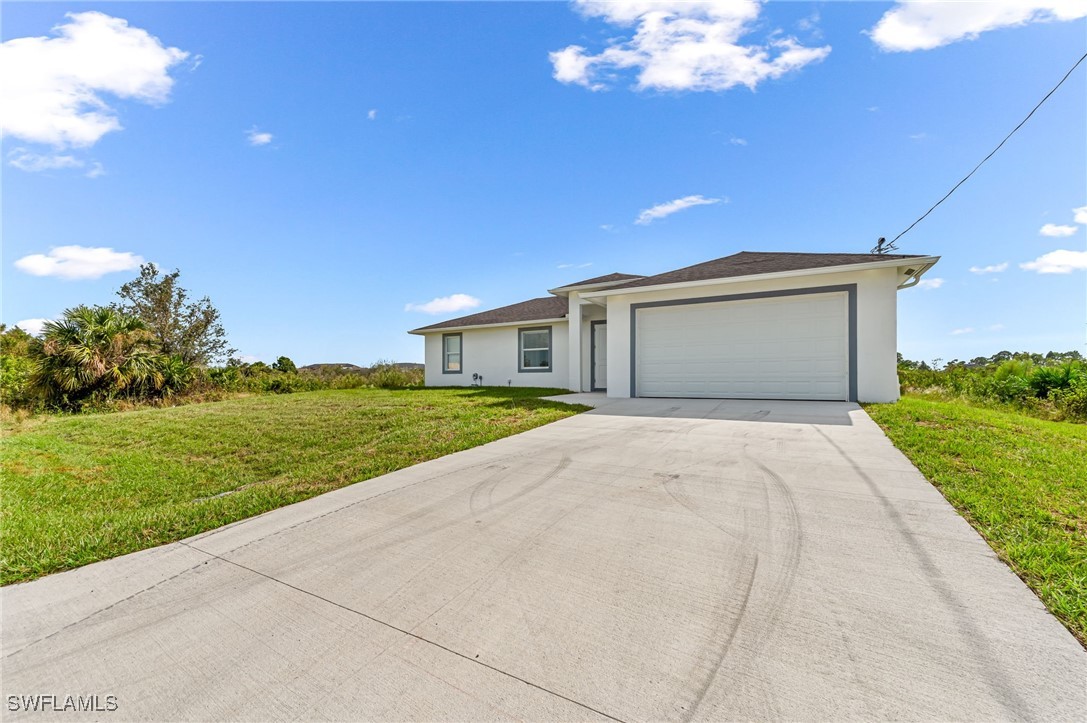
column 1021, row 482
column 78, row 489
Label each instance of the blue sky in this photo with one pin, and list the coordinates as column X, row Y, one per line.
column 325, row 171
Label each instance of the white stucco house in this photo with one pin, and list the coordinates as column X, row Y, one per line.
column 752, row 325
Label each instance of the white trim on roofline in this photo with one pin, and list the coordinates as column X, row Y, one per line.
column 916, row 261
column 565, row 290
column 523, row 322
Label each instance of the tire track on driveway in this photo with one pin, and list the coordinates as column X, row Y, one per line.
column 769, row 590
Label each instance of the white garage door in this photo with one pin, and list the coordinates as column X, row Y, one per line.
column 792, row 347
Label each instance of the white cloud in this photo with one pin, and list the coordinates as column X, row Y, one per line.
column 607, row 227
column 993, row 269
column 873, row 109
column 738, row 141
column 445, row 304
column 575, row 266
column 96, row 170
column 1080, row 214
column 33, row 327
column 964, row 330
column 248, row 358
column 78, row 262
column 996, row 327
column 933, row 283
column 811, row 24
column 571, row 65
column 52, row 89
column 1055, row 231
column 682, row 45
column 928, row 24
column 32, row 162
column 257, row 137
column 661, row 210
column 1058, row 262
column 372, row 114
column 918, row 136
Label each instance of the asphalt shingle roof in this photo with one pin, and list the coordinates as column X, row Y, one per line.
column 745, row 263
column 750, row 263
column 547, row 307
column 602, row 280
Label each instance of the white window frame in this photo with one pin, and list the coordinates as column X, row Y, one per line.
column 446, row 353
column 521, row 349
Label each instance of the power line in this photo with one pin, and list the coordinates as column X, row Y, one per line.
column 884, row 247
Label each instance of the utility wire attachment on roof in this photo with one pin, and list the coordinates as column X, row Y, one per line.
column 882, row 247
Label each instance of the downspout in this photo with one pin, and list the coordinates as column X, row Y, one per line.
column 915, row 278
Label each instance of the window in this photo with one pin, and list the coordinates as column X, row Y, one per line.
column 534, row 349
column 451, row 353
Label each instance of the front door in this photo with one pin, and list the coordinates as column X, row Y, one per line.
column 599, row 362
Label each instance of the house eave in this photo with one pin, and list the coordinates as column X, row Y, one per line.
column 912, row 279
column 447, row 329
column 565, row 290
column 926, row 261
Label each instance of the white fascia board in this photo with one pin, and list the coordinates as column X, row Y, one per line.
column 920, row 260
column 565, row 290
column 448, row 329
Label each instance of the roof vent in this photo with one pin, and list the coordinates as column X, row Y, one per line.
column 911, row 272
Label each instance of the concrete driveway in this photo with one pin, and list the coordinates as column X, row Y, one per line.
column 650, row 560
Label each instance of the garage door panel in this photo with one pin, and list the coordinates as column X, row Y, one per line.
column 787, row 348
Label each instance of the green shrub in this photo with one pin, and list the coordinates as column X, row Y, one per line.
column 1020, row 368
column 1047, row 379
column 1050, row 386
column 1009, row 382
column 1072, row 400
column 177, row 376
column 345, row 381
column 386, row 375
column 92, row 355
column 15, row 373
column 227, row 378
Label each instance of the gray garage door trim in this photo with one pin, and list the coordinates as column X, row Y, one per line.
column 851, row 304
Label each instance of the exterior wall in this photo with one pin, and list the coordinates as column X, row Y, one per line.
column 877, row 333
column 492, row 352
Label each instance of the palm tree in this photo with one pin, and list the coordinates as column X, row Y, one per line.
column 95, row 352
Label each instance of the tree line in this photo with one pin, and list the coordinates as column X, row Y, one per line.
column 1051, row 385
column 154, row 345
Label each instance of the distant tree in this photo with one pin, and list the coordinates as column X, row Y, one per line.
column 1059, row 357
column 16, row 366
column 14, row 341
column 284, row 364
column 255, row 369
column 187, row 329
column 95, row 351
